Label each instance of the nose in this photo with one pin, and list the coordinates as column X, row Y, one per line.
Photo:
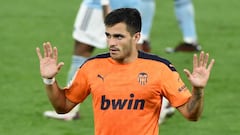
column 111, row 41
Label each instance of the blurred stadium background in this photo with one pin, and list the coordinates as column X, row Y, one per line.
column 24, row 25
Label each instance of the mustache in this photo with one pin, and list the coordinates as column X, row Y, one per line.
column 113, row 48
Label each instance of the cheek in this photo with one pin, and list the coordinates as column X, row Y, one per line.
column 127, row 47
column 124, row 45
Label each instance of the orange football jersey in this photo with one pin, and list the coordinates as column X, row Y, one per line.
column 127, row 97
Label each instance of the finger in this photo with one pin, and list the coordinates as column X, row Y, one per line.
column 39, row 53
column 55, row 53
column 201, row 59
column 205, row 62
column 50, row 50
column 187, row 72
column 211, row 65
column 195, row 61
column 45, row 50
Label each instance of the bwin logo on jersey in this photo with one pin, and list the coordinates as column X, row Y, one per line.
column 142, row 78
column 120, row 104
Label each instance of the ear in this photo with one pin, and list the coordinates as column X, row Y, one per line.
column 137, row 36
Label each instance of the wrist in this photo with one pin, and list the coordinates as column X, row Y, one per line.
column 198, row 89
column 104, row 2
column 48, row 81
column 199, row 92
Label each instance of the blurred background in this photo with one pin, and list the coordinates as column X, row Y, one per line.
column 24, row 25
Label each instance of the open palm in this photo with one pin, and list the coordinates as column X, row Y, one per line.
column 201, row 71
column 49, row 65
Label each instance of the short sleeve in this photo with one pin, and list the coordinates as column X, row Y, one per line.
column 78, row 89
column 173, row 88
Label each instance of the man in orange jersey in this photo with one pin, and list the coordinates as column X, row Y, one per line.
column 127, row 85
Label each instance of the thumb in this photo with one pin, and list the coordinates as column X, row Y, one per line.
column 59, row 66
column 187, row 72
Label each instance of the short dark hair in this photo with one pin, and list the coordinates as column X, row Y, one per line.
column 130, row 16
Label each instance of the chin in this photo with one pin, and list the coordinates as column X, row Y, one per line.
column 117, row 58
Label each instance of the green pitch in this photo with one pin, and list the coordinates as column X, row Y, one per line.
column 27, row 24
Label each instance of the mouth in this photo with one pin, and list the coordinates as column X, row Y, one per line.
column 113, row 50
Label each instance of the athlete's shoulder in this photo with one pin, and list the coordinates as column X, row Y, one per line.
column 153, row 57
column 100, row 56
column 97, row 57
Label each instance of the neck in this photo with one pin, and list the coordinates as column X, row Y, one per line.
column 131, row 57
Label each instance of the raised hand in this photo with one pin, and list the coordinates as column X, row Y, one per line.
column 201, row 70
column 49, row 65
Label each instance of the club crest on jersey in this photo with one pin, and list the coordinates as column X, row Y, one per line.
column 142, row 78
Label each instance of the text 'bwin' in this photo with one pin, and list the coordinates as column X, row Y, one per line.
column 120, row 104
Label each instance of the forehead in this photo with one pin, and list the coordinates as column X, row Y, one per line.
column 117, row 28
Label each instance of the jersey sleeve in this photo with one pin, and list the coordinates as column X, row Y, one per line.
column 78, row 89
column 174, row 88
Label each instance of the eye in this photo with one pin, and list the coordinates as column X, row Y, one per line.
column 119, row 36
column 108, row 35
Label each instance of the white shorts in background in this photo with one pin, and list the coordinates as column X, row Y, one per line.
column 89, row 27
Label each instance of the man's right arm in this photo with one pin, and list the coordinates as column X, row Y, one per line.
column 49, row 68
column 58, row 99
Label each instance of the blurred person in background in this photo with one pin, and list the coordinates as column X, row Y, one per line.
column 184, row 11
column 88, row 34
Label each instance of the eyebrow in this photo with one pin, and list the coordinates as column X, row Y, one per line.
column 107, row 34
column 114, row 35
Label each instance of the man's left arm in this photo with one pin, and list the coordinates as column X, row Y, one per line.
column 193, row 108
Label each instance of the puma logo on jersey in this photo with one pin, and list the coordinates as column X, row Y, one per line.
column 100, row 76
column 119, row 104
